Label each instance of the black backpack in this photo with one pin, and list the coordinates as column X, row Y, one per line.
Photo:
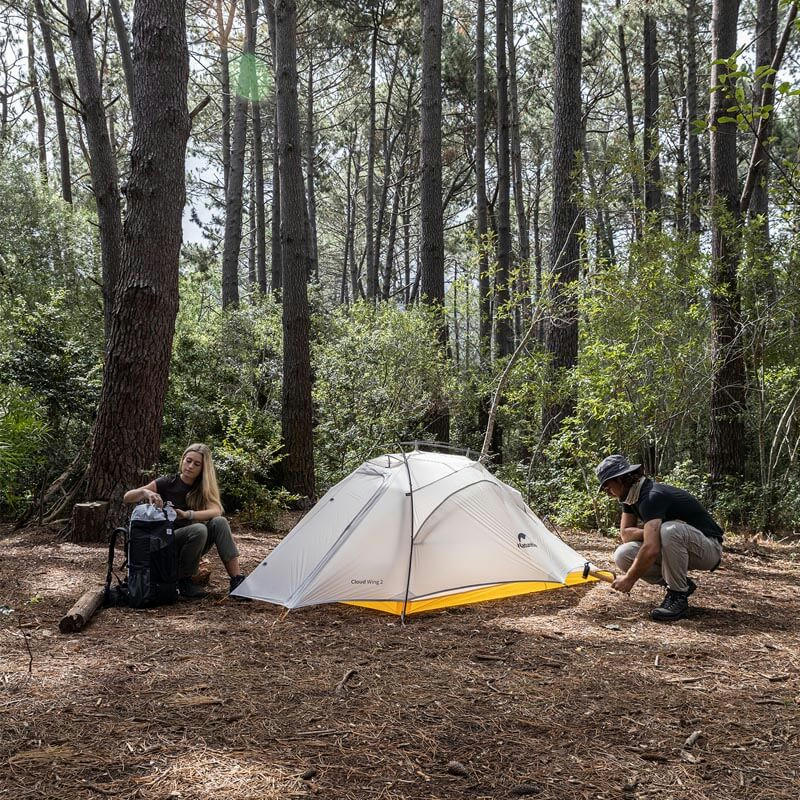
column 152, row 563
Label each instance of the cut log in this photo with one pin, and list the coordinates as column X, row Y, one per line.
column 88, row 521
column 82, row 611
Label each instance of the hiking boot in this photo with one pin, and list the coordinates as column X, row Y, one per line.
column 235, row 581
column 692, row 586
column 674, row 606
column 189, row 590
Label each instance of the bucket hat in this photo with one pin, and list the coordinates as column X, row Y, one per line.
column 614, row 466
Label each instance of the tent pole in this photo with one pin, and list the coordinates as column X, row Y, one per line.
column 411, row 543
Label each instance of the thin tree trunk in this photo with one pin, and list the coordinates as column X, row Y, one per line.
column 652, row 160
column 766, row 39
column 128, row 427
column 407, row 242
column 276, row 275
column 260, row 220
column 102, row 162
column 562, row 332
column 223, row 31
column 504, row 331
column 631, row 129
column 372, row 275
column 516, row 163
column 41, row 125
column 297, row 412
column 727, row 435
column 691, row 110
column 482, row 229
column 310, row 161
column 233, row 200
column 431, row 218
column 124, row 46
column 252, row 275
column 58, row 105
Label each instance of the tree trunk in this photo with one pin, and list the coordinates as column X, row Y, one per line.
column 727, row 435
column 124, row 46
column 766, row 39
column 631, row 129
column 102, row 163
column 251, row 218
column 297, row 413
column 260, row 220
column 223, row 32
column 372, row 275
column 431, row 219
column 58, row 105
column 691, row 111
column 481, row 213
column 128, row 427
column 516, row 162
column 562, row 333
column 276, row 270
column 310, row 159
column 246, row 90
column 504, row 330
column 41, row 126
column 652, row 160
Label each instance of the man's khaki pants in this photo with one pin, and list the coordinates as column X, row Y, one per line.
column 683, row 548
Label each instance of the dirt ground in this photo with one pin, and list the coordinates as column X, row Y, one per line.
column 571, row 693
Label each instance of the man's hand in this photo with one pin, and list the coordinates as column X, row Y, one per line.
column 622, row 583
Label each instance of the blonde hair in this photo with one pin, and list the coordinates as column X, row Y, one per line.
column 205, row 492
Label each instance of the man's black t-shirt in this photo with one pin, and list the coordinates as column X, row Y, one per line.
column 668, row 503
column 173, row 489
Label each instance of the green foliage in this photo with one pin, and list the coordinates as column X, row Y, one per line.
column 379, row 375
column 23, row 436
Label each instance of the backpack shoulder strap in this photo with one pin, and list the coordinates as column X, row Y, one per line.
column 111, row 546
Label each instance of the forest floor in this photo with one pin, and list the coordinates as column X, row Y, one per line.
column 571, row 693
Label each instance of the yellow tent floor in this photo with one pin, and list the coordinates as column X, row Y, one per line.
column 494, row 592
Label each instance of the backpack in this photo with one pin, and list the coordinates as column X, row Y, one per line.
column 151, row 559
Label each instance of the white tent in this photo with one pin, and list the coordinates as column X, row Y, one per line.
column 412, row 532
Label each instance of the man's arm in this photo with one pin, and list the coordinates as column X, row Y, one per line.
column 648, row 552
column 629, row 531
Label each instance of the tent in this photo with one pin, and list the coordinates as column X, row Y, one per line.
column 414, row 532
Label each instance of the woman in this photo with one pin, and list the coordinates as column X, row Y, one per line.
column 194, row 493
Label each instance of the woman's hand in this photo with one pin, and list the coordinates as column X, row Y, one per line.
column 184, row 514
column 153, row 498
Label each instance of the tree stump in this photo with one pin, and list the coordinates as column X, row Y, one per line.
column 82, row 611
column 89, row 521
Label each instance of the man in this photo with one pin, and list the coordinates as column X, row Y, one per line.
column 678, row 534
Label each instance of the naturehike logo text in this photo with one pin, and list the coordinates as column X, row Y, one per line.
column 522, row 541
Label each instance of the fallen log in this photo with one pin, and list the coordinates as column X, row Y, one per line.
column 75, row 619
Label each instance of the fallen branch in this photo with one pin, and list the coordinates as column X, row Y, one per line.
column 340, row 686
column 77, row 617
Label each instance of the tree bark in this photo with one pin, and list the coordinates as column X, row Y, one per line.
column 260, row 220
column 124, row 46
column 504, row 330
column 223, row 31
column 517, row 176
column 431, row 217
column 691, row 110
column 652, row 159
column 297, row 413
column 727, row 435
column 310, row 166
column 766, row 39
column 128, row 428
column 630, row 127
column 481, row 212
column 102, row 163
column 372, row 275
column 41, row 126
column 276, row 268
column 562, row 332
column 233, row 200
column 58, row 105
